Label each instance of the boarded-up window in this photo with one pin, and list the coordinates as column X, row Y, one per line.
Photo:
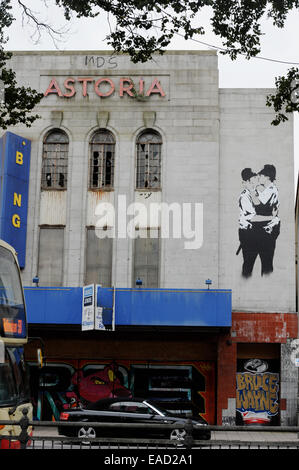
column 146, row 258
column 98, row 259
column 102, row 148
column 148, row 171
column 55, row 160
column 50, row 259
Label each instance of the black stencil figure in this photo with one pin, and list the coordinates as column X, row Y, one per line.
column 259, row 224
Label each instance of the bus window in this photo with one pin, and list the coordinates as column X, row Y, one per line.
column 12, row 308
column 14, row 382
column 20, row 372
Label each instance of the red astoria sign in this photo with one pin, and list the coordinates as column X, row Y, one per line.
column 103, row 87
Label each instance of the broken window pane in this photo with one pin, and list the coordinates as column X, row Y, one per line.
column 55, row 160
column 148, row 174
column 102, row 160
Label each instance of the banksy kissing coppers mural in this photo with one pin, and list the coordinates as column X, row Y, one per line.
column 259, row 222
column 257, row 201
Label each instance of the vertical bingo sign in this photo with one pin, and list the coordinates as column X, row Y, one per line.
column 14, row 175
column 88, row 304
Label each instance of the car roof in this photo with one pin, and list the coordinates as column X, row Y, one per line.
column 107, row 401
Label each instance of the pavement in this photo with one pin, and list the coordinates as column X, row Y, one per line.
column 229, row 436
column 255, row 436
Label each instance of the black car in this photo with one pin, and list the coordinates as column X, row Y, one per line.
column 128, row 411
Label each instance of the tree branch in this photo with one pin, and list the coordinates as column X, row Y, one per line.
column 40, row 26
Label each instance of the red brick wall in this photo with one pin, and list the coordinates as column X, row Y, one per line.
column 264, row 327
column 226, row 373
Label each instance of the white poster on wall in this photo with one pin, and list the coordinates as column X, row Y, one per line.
column 88, row 307
column 99, row 325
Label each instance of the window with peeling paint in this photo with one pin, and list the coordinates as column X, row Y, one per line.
column 55, row 160
column 148, row 168
column 102, row 150
column 98, row 267
column 50, row 256
column 146, row 257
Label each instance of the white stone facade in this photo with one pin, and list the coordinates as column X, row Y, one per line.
column 209, row 135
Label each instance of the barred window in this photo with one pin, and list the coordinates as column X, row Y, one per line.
column 148, row 173
column 55, row 160
column 102, row 160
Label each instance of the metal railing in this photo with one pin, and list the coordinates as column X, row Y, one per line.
column 50, row 439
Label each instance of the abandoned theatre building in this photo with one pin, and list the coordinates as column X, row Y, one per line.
column 155, row 234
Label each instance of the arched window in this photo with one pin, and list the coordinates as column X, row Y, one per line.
column 148, row 174
column 102, row 149
column 55, row 160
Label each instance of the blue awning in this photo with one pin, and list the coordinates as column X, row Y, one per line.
column 133, row 307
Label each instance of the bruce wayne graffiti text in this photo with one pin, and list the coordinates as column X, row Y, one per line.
column 257, row 392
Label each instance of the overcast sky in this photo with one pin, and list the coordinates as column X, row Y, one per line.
column 83, row 34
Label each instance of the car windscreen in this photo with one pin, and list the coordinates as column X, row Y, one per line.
column 159, row 408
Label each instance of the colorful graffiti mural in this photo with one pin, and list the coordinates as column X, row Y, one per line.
column 100, row 384
column 181, row 388
column 257, row 397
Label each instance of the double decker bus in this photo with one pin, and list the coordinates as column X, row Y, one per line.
column 14, row 379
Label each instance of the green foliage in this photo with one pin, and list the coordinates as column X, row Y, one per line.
column 286, row 98
column 19, row 101
column 145, row 27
